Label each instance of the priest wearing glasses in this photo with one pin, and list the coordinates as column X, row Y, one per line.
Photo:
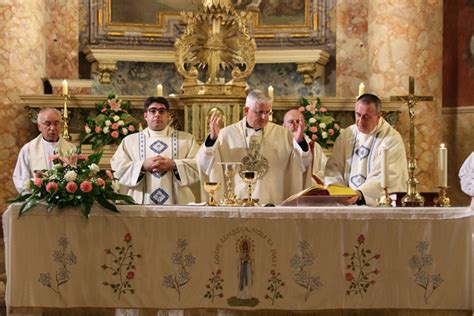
column 157, row 165
column 35, row 154
column 281, row 159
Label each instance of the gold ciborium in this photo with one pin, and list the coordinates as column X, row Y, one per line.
column 229, row 169
column 211, row 188
column 249, row 177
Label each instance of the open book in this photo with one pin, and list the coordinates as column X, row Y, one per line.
column 318, row 194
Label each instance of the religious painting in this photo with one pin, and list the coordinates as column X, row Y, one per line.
column 158, row 22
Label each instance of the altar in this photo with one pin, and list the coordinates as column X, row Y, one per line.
column 247, row 259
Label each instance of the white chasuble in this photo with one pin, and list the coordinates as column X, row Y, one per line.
column 356, row 161
column 288, row 165
column 153, row 187
column 35, row 156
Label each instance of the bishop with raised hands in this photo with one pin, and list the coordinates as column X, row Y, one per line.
column 280, row 158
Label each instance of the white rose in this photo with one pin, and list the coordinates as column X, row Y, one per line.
column 108, row 123
column 322, row 125
column 324, row 135
column 105, row 130
column 94, row 168
column 312, row 120
column 121, row 123
column 87, row 129
column 124, row 131
column 27, row 185
column 115, row 186
column 71, row 175
column 116, row 118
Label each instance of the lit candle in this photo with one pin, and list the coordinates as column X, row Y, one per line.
column 361, row 88
column 443, row 166
column 65, row 88
column 159, row 90
column 270, row 91
column 385, row 174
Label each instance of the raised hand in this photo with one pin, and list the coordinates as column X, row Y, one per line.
column 214, row 125
column 298, row 134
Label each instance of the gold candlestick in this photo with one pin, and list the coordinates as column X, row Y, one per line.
column 442, row 200
column 66, row 135
column 384, row 200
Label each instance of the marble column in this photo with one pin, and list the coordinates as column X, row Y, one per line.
column 405, row 39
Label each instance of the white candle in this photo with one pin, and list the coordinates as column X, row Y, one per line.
column 443, row 166
column 384, row 172
column 65, row 88
column 159, row 90
column 270, row 91
column 361, row 88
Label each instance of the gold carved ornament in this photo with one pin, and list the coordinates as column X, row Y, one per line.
column 216, row 43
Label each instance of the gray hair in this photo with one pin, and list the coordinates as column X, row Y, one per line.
column 256, row 97
column 44, row 110
column 369, row 98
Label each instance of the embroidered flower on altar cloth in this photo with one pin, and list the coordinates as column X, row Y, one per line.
column 320, row 125
column 74, row 180
column 111, row 123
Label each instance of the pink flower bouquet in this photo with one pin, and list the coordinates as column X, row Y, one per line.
column 74, row 180
column 111, row 123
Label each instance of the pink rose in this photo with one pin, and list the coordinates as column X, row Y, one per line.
column 86, row 186
column 82, row 157
column 100, row 182
column 131, row 128
column 115, row 125
column 38, row 181
column 323, row 109
column 314, row 137
column 53, row 157
column 331, row 132
column 109, row 174
column 103, row 110
column 313, row 129
column 71, row 187
column 98, row 129
column 52, row 187
column 114, row 134
column 114, row 106
column 301, row 109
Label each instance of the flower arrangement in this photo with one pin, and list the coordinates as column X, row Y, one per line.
column 74, row 180
column 320, row 125
column 111, row 124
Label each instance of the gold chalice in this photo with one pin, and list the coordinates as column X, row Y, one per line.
column 211, row 188
column 230, row 169
column 249, row 177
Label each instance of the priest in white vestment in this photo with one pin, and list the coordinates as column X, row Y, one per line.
column 356, row 160
column 292, row 120
column 35, row 154
column 287, row 156
column 157, row 165
column 466, row 175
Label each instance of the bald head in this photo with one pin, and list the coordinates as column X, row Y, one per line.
column 292, row 119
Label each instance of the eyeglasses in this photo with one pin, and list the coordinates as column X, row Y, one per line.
column 262, row 113
column 293, row 121
column 49, row 124
column 154, row 111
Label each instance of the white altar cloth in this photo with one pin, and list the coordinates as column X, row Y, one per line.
column 283, row 258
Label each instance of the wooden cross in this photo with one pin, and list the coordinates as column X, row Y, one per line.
column 412, row 198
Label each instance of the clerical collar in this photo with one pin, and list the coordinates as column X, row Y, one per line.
column 250, row 127
column 50, row 141
column 163, row 132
